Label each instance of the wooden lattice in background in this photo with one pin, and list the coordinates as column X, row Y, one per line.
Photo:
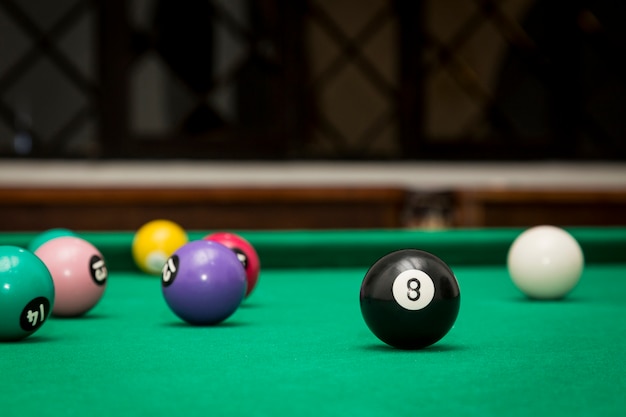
column 349, row 79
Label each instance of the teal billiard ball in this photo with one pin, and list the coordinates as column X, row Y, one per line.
column 410, row 299
column 26, row 293
column 48, row 235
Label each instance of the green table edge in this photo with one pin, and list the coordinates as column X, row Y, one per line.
column 361, row 248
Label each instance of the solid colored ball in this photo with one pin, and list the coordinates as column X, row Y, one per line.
column 244, row 251
column 155, row 242
column 47, row 235
column 26, row 293
column 203, row 282
column 410, row 299
column 545, row 262
column 79, row 273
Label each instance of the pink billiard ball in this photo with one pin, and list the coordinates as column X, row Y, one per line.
column 79, row 274
column 245, row 252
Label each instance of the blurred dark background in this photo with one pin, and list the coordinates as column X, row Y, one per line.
column 317, row 79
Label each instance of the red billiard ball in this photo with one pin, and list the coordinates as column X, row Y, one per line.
column 79, row 273
column 245, row 252
column 410, row 299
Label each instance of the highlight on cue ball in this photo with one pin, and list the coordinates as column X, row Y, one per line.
column 156, row 241
column 410, row 299
column 26, row 293
column 545, row 262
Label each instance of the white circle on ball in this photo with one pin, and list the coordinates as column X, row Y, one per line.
column 413, row 289
column 545, row 262
column 155, row 261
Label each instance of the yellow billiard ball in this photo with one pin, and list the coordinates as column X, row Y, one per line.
column 155, row 242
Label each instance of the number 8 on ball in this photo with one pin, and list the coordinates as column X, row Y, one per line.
column 410, row 298
column 413, row 289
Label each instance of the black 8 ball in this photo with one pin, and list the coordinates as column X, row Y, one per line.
column 410, row 299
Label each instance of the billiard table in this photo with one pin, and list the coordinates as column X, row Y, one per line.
column 298, row 345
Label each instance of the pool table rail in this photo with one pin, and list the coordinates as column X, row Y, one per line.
column 361, row 248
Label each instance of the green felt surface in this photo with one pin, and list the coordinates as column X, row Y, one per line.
column 299, row 347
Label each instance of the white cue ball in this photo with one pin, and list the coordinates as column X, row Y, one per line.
column 545, row 262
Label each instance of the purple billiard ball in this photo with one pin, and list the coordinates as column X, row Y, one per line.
column 203, row 282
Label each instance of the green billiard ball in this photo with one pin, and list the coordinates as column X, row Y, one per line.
column 26, row 293
column 47, row 235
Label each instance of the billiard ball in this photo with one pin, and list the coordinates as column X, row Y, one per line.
column 410, row 299
column 26, row 293
column 244, row 251
column 203, row 282
column 79, row 273
column 47, row 235
column 545, row 262
column 154, row 242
